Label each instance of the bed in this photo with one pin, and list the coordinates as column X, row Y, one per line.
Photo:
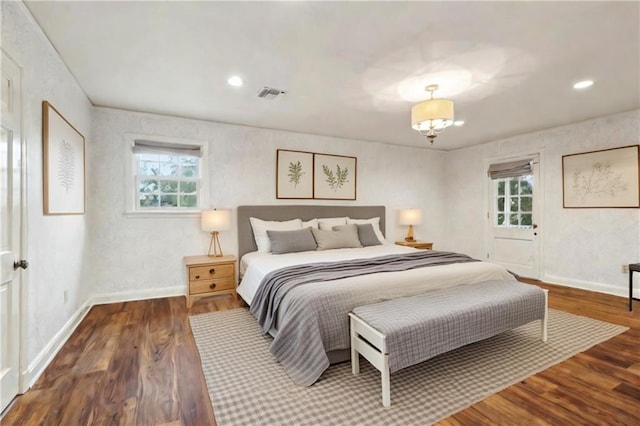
column 310, row 326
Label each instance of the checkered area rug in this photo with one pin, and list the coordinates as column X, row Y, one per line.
column 247, row 386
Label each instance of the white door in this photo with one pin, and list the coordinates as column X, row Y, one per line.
column 10, row 230
column 513, row 231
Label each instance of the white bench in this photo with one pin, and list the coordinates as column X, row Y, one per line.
column 397, row 333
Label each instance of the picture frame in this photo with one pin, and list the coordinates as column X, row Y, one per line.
column 63, row 157
column 608, row 178
column 334, row 177
column 294, row 174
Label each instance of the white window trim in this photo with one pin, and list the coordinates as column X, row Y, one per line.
column 130, row 180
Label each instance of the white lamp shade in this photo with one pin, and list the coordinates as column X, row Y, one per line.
column 434, row 113
column 216, row 220
column 410, row 217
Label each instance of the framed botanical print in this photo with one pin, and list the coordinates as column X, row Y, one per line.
column 63, row 164
column 294, row 174
column 600, row 179
column 334, row 177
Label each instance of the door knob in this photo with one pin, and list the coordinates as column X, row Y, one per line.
column 20, row 264
column 535, row 226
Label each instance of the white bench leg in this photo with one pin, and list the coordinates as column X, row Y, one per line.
column 355, row 362
column 355, row 356
column 386, row 385
column 546, row 316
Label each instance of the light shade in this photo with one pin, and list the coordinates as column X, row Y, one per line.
column 436, row 114
column 410, row 217
column 216, row 220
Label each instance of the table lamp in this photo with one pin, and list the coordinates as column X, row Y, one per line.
column 410, row 217
column 215, row 221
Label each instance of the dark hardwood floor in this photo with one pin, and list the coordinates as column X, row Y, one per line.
column 136, row 363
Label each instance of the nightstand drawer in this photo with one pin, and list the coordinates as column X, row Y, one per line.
column 211, row 271
column 212, row 285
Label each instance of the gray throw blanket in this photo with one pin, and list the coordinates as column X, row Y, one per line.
column 277, row 284
column 312, row 321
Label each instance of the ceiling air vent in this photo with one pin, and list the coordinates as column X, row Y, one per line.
column 269, row 93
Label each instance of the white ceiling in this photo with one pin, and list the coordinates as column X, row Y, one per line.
column 509, row 66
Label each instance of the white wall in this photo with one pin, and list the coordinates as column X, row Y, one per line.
column 581, row 247
column 56, row 246
column 142, row 256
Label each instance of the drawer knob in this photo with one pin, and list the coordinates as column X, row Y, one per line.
column 197, row 277
column 212, row 286
column 212, row 271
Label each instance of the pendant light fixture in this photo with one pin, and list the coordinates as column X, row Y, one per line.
column 431, row 117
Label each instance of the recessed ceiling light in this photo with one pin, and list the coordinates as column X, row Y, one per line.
column 235, row 81
column 583, row 84
column 458, row 123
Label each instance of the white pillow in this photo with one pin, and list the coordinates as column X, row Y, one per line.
column 313, row 223
column 375, row 221
column 260, row 228
column 327, row 223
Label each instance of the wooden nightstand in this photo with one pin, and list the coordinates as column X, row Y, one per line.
column 210, row 276
column 416, row 244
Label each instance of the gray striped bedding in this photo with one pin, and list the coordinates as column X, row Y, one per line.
column 277, row 284
column 310, row 312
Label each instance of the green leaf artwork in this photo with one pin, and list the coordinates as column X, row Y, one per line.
column 295, row 173
column 337, row 180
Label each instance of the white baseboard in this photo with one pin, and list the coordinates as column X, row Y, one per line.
column 593, row 286
column 44, row 358
column 143, row 294
column 46, row 355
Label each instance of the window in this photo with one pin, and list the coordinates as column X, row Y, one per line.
column 166, row 176
column 514, row 201
column 167, row 181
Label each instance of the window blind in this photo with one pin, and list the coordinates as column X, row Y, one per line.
column 152, row 147
column 510, row 169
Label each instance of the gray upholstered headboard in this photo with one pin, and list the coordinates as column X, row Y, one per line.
column 246, row 242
